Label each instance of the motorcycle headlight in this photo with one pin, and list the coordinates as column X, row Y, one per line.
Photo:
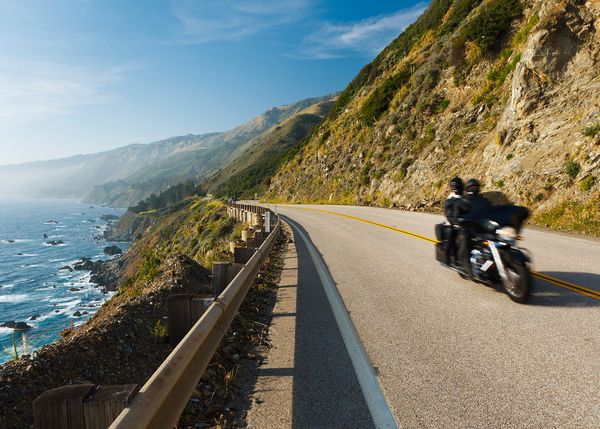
column 507, row 233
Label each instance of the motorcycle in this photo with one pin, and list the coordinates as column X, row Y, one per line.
column 495, row 258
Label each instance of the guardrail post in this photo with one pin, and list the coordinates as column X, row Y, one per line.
column 241, row 255
column 233, row 271
column 247, row 234
column 105, row 405
column 267, row 221
column 61, row 408
column 183, row 311
column 219, row 279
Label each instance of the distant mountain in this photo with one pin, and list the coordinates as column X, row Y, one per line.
column 258, row 160
column 123, row 176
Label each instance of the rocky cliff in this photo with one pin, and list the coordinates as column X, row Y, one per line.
column 506, row 91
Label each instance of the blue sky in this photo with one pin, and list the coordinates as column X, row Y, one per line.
column 81, row 76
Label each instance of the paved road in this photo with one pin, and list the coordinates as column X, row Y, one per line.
column 449, row 353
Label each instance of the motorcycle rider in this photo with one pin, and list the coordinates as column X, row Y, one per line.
column 476, row 204
column 454, row 207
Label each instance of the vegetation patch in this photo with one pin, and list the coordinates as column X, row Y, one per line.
column 581, row 217
column 587, row 183
column 491, row 23
column 379, row 100
column 592, row 130
column 572, row 168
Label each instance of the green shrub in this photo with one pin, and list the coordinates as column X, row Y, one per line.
column 572, row 168
column 159, row 330
column 592, row 130
column 487, row 28
column 510, row 156
column 498, row 74
column 523, row 33
column 379, row 100
column 587, row 183
column 460, row 10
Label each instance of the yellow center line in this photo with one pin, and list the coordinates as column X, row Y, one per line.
column 540, row 276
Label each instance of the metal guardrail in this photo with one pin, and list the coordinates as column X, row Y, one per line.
column 160, row 402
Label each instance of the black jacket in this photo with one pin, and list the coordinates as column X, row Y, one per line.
column 455, row 207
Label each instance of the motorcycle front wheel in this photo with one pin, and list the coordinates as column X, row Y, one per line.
column 518, row 286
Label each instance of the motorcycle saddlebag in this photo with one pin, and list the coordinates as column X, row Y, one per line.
column 440, row 231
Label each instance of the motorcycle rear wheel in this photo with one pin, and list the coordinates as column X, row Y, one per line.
column 519, row 282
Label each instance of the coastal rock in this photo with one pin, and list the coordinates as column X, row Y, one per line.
column 11, row 241
column 55, row 242
column 17, row 326
column 52, row 221
column 84, row 264
column 77, row 314
column 34, row 317
column 109, row 217
column 113, row 250
column 74, row 289
column 66, row 268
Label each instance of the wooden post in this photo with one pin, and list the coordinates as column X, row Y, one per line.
column 183, row 311
column 179, row 317
column 233, row 271
column 268, row 222
column 234, row 244
column 247, row 234
column 242, row 255
column 61, row 408
column 255, row 242
column 219, row 277
column 198, row 306
column 257, row 221
column 105, row 405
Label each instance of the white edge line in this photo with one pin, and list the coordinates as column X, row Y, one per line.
column 378, row 406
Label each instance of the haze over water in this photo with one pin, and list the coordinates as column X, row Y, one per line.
column 31, row 280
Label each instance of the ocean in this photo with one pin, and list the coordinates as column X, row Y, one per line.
column 33, row 287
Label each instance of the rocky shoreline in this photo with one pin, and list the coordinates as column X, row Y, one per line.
column 118, row 345
column 121, row 344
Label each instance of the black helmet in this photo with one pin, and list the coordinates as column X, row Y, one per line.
column 472, row 187
column 457, row 185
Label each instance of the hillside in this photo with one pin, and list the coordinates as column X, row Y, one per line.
column 507, row 91
column 248, row 173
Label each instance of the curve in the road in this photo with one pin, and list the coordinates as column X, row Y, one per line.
column 544, row 277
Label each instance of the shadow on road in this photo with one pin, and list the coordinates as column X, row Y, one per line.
column 326, row 392
column 548, row 295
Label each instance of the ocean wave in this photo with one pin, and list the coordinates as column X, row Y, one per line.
column 6, row 286
column 28, row 254
column 6, row 331
column 57, row 260
column 14, row 298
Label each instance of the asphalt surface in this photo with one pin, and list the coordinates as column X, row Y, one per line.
column 449, row 353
